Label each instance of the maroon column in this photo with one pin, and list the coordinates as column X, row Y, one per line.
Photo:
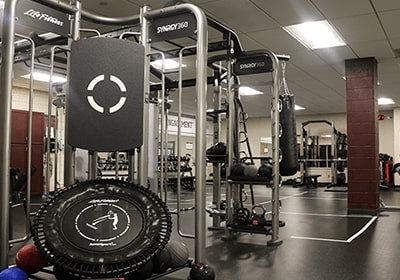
column 362, row 136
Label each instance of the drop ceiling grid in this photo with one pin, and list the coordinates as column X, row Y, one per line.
column 287, row 12
column 343, row 8
column 380, row 49
column 278, row 40
column 386, row 5
column 241, row 15
column 362, row 28
column 391, row 22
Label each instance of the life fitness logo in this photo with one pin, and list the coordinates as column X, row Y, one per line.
column 95, row 105
column 43, row 17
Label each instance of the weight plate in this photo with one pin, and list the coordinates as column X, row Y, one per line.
column 102, row 228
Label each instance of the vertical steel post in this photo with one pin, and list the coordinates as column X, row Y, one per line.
column 7, row 61
column 217, row 92
column 143, row 167
column 92, row 165
column 276, row 181
column 29, row 150
column 232, row 149
column 69, row 155
column 201, row 93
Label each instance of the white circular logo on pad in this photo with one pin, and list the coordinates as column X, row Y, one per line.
column 95, row 105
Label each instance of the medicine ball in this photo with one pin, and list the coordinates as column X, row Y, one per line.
column 220, row 149
column 265, row 170
column 250, row 170
column 201, row 271
column 142, row 272
column 237, row 169
column 13, row 273
column 179, row 253
column 29, row 259
column 162, row 261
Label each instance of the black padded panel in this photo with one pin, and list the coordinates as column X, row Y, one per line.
column 105, row 98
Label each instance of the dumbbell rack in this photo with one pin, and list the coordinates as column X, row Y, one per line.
column 187, row 181
column 110, row 169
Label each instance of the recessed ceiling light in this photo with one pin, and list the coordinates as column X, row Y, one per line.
column 385, row 101
column 315, row 35
column 45, row 77
column 249, row 91
column 169, row 64
column 298, row 107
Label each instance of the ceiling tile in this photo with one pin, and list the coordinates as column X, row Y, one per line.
column 287, row 12
column 109, row 8
column 241, row 15
column 303, row 58
column 377, row 49
column 249, row 43
column 277, row 40
column 391, row 22
column 388, row 79
column 335, row 55
column 362, row 28
column 343, row 8
column 388, row 66
column 386, row 5
column 395, row 43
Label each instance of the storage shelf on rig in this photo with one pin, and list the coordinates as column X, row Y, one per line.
column 216, row 158
column 249, row 180
column 267, row 230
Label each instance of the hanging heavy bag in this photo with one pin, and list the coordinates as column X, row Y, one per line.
column 288, row 140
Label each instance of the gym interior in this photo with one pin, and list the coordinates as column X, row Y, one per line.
column 199, row 140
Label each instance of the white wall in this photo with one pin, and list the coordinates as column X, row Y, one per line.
column 386, row 134
column 20, row 100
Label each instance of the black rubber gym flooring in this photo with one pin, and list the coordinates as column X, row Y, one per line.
column 320, row 241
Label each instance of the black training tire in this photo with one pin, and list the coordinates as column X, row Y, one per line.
column 102, row 228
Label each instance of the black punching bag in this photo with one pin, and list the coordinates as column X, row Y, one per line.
column 288, row 140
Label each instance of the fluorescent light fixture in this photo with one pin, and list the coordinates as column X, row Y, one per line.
column 315, row 35
column 298, row 108
column 249, row 91
column 1, row 4
column 169, row 64
column 45, row 77
column 385, row 101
